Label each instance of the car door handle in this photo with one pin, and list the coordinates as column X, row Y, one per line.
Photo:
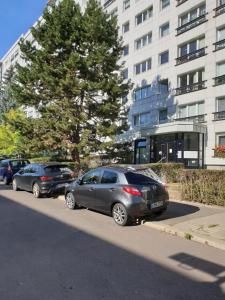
column 112, row 190
column 91, row 189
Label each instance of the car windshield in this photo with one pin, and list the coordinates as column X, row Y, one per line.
column 135, row 178
column 19, row 163
column 57, row 169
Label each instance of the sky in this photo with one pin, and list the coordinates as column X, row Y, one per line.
column 16, row 17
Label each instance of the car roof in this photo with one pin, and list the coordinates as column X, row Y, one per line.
column 118, row 169
column 47, row 164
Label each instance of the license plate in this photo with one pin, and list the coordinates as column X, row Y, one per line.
column 62, row 185
column 157, row 204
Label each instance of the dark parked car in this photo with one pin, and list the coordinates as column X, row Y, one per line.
column 46, row 178
column 8, row 167
column 121, row 192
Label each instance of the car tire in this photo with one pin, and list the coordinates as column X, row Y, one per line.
column 119, row 214
column 36, row 190
column 70, row 201
column 14, row 185
column 5, row 181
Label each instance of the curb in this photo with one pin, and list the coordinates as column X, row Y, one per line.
column 169, row 229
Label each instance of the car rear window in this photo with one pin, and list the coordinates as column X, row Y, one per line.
column 57, row 169
column 19, row 163
column 135, row 178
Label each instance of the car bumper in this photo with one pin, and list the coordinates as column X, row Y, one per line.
column 56, row 188
column 145, row 209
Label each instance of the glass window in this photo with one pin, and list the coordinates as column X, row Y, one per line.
column 126, row 4
column 109, row 177
column 191, row 142
column 126, row 50
column 135, row 178
column 184, row 19
column 221, row 104
column 126, row 27
column 164, row 57
column 125, row 74
column 192, row 46
column 182, row 112
column 143, row 41
column 221, row 69
column 184, row 50
column 221, row 140
column 136, row 120
column 193, row 14
column 19, row 163
column 92, row 177
column 201, row 108
column 165, row 3
column 144, row 15
column 221, row 34
column 137, row 69
column 192, row 110
column 163, row 115
column 164, row 29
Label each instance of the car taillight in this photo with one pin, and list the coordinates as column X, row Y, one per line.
column 46, row 178
column 132, row 191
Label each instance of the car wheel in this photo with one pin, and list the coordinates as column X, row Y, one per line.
column 5, row 181
column 14, row 185
column 70, row 201
column 36, row 190
column 120, row 215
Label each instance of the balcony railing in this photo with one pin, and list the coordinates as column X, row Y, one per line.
column 219, row 45
column 220, row 115
column 194, row 119
column 179, row 2
column 108, row 2
column 219, row 10
column 219, row 80
column 191, row 88
column 191, row 24
column 190, row 56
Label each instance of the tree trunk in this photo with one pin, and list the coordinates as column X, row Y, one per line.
column 75, row 155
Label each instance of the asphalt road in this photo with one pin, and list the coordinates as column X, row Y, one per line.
column 49, row 252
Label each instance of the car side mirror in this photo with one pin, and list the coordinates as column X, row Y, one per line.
column 21, row 171
column 79, row 181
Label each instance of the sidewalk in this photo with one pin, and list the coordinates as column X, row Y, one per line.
column 194, row 221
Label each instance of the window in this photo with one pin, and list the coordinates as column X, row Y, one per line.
column 109, row 177
column 221, row 140
column 191, row 110
column 164, row 3
column 191, row 78
column 144, row 15
column 191, row 46
column 192, row 15
column 143, row 93
column 220, row 104
column 221, row 34
column 220, row 70
column 126, row 4
column 135, row 178
column 143, row 41
column 142, row 119
column 125, row 74
column 164, row 29
column 125, row 50
column 143, row 66
column 163, row 114
column 220, row 2
column 126, row 27
column 92, row 177
column 164, row 57
column 113, row 13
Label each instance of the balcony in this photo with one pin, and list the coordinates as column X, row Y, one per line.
column 194, row 119
column 108, row 2
column 220, row 115
column 179, row 2
column 219, row 80
column 192, row 24
column 219, row 45
column 190, row 56
column 191, row 88
column 219, row 10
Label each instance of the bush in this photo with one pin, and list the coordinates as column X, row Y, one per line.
column 204, row 186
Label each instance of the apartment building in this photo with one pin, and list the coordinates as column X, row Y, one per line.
column 174, row 53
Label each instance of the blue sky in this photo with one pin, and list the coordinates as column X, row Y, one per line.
column 16, row 17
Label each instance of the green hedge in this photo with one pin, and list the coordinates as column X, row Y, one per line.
column 204, row 186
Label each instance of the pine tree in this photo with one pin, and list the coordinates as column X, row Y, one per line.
column 73, row 79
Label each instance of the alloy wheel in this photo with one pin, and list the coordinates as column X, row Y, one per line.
column 14, row 185
column 70, row 201
column 36, row 190
column 120, row 214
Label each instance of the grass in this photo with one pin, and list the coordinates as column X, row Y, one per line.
column 188, row 236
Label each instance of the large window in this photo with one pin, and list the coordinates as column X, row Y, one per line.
column 220, row 2
column 192, row 15
column 164, row 30
column 220, row 103
column 126, row 4
column 125, row 74
column 163, row 115
column 142, row 119
column 125, row 50
column 191, row 78
column 93, row 177
column 221, row 34
column 143, row 41
column 126, row 27
column 142, row 93
column 164, row 3
column 191, row 46
column 191, row 110
column 144, row 15
column 143, row 66
column 220, row 69
column 164, row 57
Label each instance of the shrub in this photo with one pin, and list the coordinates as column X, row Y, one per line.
column 204, row 186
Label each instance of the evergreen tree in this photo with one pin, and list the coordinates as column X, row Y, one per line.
column 73, row 79
column 7, row 101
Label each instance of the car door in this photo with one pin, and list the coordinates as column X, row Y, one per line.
column 21, row 177
column 30, row 176
column 85, row 192
column 105, row 191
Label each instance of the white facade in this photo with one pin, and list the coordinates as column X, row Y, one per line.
column 178, row 96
